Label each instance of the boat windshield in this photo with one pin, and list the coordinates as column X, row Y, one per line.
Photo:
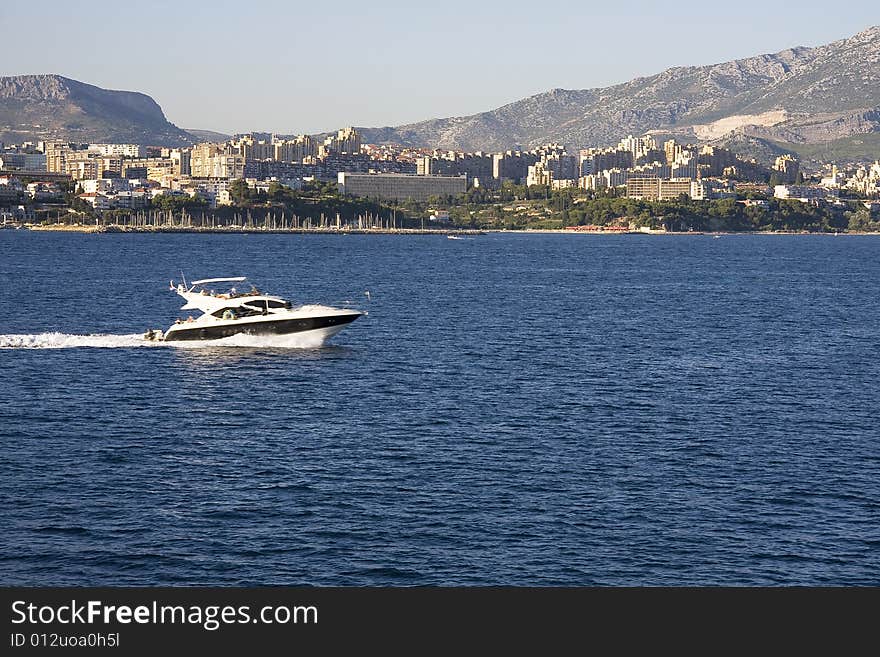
column 249, row 308
column 227, row 290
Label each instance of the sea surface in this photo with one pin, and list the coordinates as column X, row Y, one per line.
column 514, row 409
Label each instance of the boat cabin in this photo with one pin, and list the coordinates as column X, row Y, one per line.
column 248, row 307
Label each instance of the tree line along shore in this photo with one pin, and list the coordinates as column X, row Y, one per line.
column 319, row 207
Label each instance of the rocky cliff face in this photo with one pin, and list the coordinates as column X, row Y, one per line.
column 823, row 93
column 51, row 106
column 820, row 127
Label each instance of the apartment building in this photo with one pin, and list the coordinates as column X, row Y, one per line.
column 399, row 186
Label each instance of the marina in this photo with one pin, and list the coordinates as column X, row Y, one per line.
column 178, row 226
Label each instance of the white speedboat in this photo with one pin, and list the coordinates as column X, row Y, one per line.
column 231, row 312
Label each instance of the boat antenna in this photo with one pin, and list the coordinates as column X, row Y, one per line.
column 183, row 278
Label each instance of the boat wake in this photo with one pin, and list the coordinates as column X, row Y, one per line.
column 67, row 341
column 136, row 340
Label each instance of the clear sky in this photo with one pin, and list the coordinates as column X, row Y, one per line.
column 294, row 67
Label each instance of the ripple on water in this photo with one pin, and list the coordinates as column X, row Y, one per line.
column 537, row 410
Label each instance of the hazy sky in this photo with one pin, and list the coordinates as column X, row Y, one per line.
column 293, row 67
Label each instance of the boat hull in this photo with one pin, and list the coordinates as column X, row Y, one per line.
column 325, row 326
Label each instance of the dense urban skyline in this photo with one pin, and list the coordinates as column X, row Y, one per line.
column 295, row 67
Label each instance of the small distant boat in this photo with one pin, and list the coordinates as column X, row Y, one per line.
column 453, row 237
column 716, row 237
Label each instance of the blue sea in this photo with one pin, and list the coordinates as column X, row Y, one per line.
column 513, row 409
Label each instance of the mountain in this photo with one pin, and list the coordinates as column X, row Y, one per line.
column 208, row 135
column 796, row 96
column 55, row 107
column 822, row 101
column 755, row 148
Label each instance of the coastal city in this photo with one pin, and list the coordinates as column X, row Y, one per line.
column 389, row 314
column 337, row 182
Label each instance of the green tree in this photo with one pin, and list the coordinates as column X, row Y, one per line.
column 239, row 192
column 176, row 203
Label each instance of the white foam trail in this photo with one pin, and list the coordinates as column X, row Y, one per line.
column 67, row 341
column 108, row 341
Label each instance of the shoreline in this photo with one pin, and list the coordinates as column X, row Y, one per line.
column 240, row 230
column 563, row 231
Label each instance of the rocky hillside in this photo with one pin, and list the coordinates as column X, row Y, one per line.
column 208, row 135
column 800, row 95
column 51, row 106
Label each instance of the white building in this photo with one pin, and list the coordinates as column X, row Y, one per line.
column 539, row 175
column 214, row 190
column 44, row 191
column 684, row 167
column 97, row 201
column 615, row 177
column 130, row 200
column 638, row 146
column 591, row 182
column 126, row 150
column 700, row 191
column 658, row 169
column 834, row 180
column 104, row 185
column 803, row 192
